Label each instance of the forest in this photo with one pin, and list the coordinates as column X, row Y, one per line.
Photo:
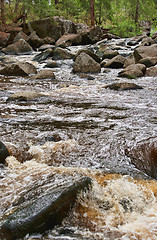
column 122, row 17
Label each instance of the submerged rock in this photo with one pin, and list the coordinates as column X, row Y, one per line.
column 3, row 152
column 123, row 86
column 44, row 213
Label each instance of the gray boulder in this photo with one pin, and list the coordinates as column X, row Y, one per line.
column 149, row 61
column 133, row 71
column 109, row 53
column 90, row 53
column 130, row 60
column 85, row 63
column 20, row 47
column 35, row 41
column 44, row 213
column 144, row 52
column 20, row 35
column 116, row 62
column 44, row 74
column 18, row 69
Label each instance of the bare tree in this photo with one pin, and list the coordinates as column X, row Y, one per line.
column 92, row 12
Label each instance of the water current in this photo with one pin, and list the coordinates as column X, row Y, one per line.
column 94, row 126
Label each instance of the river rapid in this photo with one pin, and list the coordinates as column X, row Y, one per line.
column 92, row 127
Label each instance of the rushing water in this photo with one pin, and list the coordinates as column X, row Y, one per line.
column 94, row 125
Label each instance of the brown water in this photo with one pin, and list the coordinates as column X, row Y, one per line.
column 94, row 125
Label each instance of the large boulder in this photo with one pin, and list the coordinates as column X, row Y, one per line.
column 85, row 63
column 3, row 153
column 18, row 69
column 44, row 74
column 109, row 53
column 20, row 47
column 45, row 212
column 92, row 35
column 149, row 61
column 116, row 62
column 144, row 156
column 4, row 38
column 90, row 53
column 20, row 35
column 47, row 27
column 130, row 60
column 35, row 41
column 144, row 52
column 69, row 40
column 133, row 71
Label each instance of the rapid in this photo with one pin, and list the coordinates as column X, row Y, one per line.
column 80, row 128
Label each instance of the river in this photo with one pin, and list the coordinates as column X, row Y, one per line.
column 94, row 125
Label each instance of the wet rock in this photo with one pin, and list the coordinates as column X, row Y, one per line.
column 144, row 156
column 24, row 96
column 20, row 35
column 133, row 71
column 51, row 64
column 109, row 53
column 151, row 72
column 20, row 47
column 69, row 40
column 130, row 60
column 18, row 69
column 3, row 153
column 4, row 38
column 44, row 74
column 35, row 41
column 43, row 55
column 60, row 53
column 45, row 47
column 85, row 63
column 123, row 86
column 45, row 212
column 90, row 53
column 144, row 52
column 116, row 62
column 147, row 41
column 149, row 61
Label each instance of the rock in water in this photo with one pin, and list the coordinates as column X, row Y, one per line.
column 44, row 213
column 3, row 152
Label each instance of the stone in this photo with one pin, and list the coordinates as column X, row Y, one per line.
column 44, row 74
column 3, row 152
column 24, row 96
column 60, row 53
column 130, row 60
column 45, row 212
column 17, row 48
column 109, row 53
column 85, row 63
column 69, row 40
column 4, row 38
column 151, row 72
column 122, row 86
column 49, row 40
column 149, row 61
column 45, row 47
column 133, row 71
column 116, row 62
column 144, row 156
column 90, row 53
column 43, row 55
column 20, row 35
column 35, row 41
column 18, row 69
column 51, row 64
column 144, row 52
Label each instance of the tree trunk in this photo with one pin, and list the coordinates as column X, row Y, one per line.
column 137, row 11
column 2, row 12
column 92, row 13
